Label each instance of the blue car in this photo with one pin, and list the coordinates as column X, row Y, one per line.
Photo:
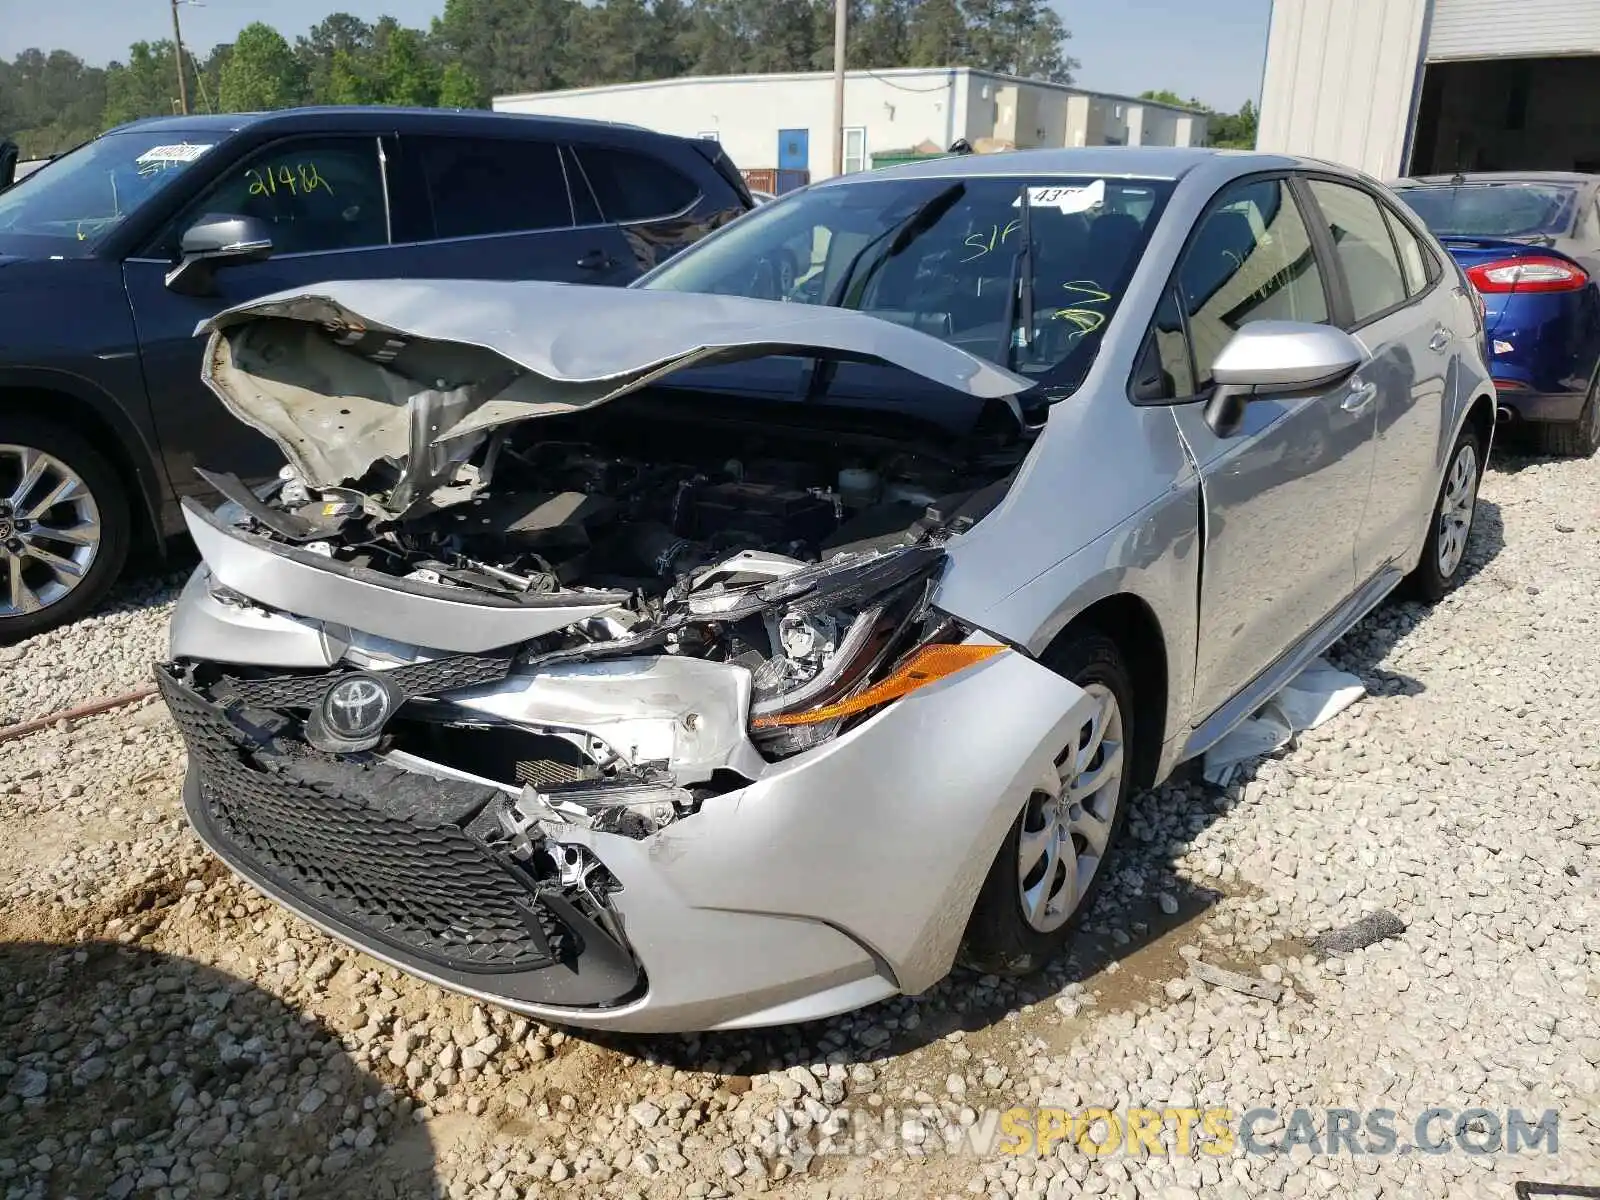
column 1530, row 244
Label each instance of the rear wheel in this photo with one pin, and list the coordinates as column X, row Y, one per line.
column 1446, row 548
column 64, row 526
column 1052, row 861
column 1572, row 439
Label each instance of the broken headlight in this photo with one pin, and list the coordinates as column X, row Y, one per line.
column 862, row 638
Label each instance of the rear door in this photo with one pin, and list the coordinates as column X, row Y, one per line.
column 325, row 197
column 497, row 208
column 1410, row 336
column 1283, row 495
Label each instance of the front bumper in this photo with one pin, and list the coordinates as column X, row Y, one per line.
column 836, row 878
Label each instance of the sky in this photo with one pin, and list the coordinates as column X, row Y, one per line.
column 1212, row 49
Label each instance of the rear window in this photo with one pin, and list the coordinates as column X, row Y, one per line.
column 630, row 186
column 1494, row 209
column 480, row 186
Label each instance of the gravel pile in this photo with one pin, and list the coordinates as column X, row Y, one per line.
column 1415, row 887
column 105, row 654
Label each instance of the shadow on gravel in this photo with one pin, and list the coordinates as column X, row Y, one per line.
column 124, row 1070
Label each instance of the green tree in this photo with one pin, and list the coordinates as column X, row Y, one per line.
column 49, row 102
column 405, row 73
column 614, row 42
column 147, row 84
column 884, row 35
column 1017, row 37
column 262, row 72
column 1235, row 131
column 1167, row 96
column 333, row 58
column 458, row 89
column 937, row 36
column 510, row 45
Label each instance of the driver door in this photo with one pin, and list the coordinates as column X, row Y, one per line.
column 1283, row 495
column 325, row 198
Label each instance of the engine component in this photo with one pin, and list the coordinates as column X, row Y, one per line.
column 767, row 514
column 859, row 487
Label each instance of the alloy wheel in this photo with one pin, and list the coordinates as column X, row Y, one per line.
column 1069, row 819
column 49, row 530
column 1456, row 509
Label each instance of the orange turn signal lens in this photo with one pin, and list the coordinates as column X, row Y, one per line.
column 927, row 665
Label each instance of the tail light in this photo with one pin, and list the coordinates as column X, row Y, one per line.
column 1528, row 275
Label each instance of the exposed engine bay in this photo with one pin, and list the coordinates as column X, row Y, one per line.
column 752, row 542
column 659, row 588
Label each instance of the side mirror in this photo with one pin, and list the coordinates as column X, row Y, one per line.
column 1277, row 358
column 217, row 241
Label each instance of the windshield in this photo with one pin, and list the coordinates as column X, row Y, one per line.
column 66, row 207
column 1494, row 209
column 942, row 256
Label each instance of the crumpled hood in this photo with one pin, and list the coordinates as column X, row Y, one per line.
column 345, row 375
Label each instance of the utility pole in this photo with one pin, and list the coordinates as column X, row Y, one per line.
column 841, row 21
column 177, row 54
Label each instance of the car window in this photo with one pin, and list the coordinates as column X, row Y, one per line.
column 1250, row 259
column 87, row 193
column 1362, row 244
column 1171, row 365
column 479, row 186
column 1482, row 209
column 1413, row 258
column 943, row 256
column 631, row 186
column 316, row 194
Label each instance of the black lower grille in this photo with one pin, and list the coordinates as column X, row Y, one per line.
column 383, row 850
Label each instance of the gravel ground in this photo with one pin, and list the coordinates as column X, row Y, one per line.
column 167, row 1033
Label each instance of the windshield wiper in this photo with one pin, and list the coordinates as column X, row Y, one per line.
column 899, row 235
column 1018, row 322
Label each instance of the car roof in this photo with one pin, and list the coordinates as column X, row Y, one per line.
column 377, row 118
column 1138, row 162
column 1572, row 177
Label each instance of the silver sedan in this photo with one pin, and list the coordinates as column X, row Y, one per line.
column 753, row 644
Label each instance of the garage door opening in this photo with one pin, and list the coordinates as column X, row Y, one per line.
column 1515, row 114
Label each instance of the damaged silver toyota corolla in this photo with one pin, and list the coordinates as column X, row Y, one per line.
column 743, row 647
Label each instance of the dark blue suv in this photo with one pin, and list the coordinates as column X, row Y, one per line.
column 111, row 255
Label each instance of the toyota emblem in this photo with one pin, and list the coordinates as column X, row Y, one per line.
column 356, row 708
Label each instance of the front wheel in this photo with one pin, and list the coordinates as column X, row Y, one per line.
column 64, row 526
column 1446, row 548
column 1053, row 858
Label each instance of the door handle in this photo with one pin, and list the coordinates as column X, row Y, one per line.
column 1360, row 395
column 1441, row 339
column 596, row 260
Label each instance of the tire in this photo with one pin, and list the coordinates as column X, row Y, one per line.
column 1445, row 550
column 1571, row 439
column 93, row 508
column 1001, row 938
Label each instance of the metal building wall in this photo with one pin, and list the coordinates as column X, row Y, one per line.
column 1524, row 29
column 1342, row 78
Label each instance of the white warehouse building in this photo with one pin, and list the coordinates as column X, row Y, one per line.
column 1421, row 87
column 785, row 122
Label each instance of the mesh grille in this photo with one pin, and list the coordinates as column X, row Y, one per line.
column 418, row 679
column 368, row 845
column 547, row 771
